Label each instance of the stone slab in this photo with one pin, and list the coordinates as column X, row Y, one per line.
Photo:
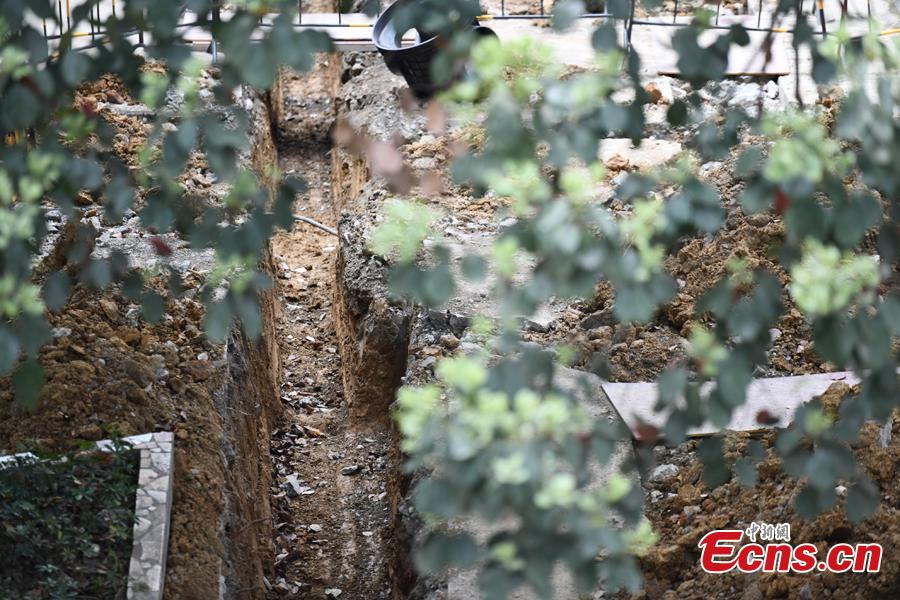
column 780, row 396
column 153, row 510
column 650, row 154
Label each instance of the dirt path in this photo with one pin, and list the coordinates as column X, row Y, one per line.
column 330, row 505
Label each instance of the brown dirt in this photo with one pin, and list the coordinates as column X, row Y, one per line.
column 104, row 375
column 687, row 510
column 636, row 352
column 108, row 370
column 333, row 534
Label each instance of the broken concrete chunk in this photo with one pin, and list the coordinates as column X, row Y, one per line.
column 663, row 472
column 651, row 153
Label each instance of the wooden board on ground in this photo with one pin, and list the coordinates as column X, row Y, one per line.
column 780, row 396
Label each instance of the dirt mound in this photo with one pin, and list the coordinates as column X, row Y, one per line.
column 682, row 510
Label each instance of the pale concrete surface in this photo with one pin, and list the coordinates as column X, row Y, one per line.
column 780, row 396
column 650, row 154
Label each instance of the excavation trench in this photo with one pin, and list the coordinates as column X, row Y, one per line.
column 335, row 465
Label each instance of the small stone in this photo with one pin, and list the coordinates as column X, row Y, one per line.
column 199, row 370
column 508, row 222
column 292, row 485
column 655, row 496
column 130, row 335
column 332, row 592
column 315, row 528
column 534, row 326
column 449, row 341
column 598, row 319
column 617, row 162
column 840, row 490
column 350, row 470
column 663, row 472
column 660, row 91
column 707, row 168
column 774, row 334
column 110, row 309
column 140, row 374
column 746, row 96
column 604, row 333
column 884, row 434
column 59, row 332
column 426, row 163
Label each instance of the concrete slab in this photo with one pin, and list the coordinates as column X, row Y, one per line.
column 650, row 154
column 780, row 396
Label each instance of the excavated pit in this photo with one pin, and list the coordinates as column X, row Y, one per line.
column 108, row 370
column 336, row 466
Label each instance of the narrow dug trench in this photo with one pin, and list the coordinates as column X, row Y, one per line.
column 331, row 504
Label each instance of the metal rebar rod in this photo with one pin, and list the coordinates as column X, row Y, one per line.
column 629, row 27
column 675, row 12
column 822, row 17
column 315, row 223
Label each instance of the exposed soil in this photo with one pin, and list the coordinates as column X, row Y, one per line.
column 109, row 370
column 640, row 352
column 332, row 511
column 682, row 510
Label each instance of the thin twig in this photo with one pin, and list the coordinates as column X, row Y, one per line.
column 315, row 223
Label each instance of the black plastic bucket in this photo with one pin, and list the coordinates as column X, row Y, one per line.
column 413, row 62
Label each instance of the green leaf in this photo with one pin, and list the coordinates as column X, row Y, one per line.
column 9, row 350
column 853, row 217
column 677, row 115
column 27, row 382
column 152, row 306
column 715, row 472
column 605, row 37
column 748, row 162
column 862, row 500
column 565, row 12
column 217, row 321
column 745, row 469
column 438, row 497
column 757, row 197
column 56, row 291
column 248, row 313
column 474, row 267
column 833, row 339
column 75, row 67
column 441, row 551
